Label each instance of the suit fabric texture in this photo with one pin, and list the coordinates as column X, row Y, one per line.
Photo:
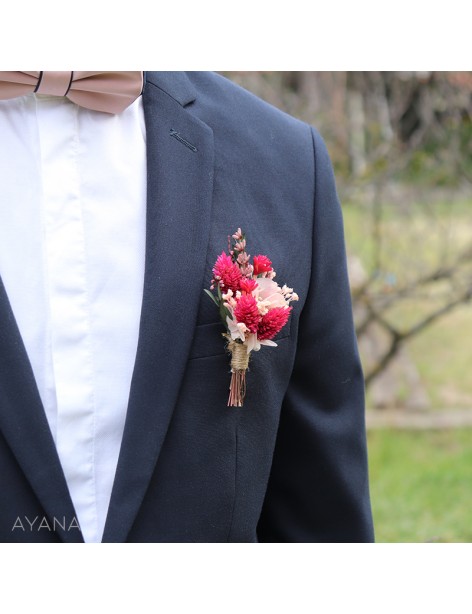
column 291, row 464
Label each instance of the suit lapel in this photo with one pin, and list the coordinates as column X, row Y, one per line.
column 180, row 182
column 25, row 427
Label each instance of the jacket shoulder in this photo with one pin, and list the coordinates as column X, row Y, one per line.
column 246, row 128
column 230, row 102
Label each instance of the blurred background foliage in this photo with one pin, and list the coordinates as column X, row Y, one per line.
column 401, row 146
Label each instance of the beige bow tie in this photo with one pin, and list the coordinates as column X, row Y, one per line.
column 110, row 92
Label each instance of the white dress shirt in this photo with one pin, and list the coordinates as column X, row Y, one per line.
column 72, row 241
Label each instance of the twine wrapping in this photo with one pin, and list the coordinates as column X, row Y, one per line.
column 239, row 366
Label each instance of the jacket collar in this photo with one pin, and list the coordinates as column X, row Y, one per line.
column 179, row 199
column 177, row 85
column 24, row 425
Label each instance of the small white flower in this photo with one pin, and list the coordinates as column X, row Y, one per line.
column 237, row 329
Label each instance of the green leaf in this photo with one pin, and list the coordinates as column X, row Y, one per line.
column 223, row 312
column 211, row 296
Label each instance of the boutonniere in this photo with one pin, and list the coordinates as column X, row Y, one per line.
column 252, row 306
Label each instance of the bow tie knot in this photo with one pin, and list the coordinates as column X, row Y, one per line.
column 54, row 83
column 109, row 92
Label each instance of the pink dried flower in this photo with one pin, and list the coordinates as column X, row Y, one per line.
column 226, row 273
column 243, row 258
column 246, row 270
column 272, row 322
column 262, row 264
column 247, row 285
column 269, row 292
column 247, row 311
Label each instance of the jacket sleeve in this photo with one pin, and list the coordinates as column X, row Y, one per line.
column 318, row 487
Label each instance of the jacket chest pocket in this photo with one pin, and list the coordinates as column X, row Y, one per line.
column 208, row 340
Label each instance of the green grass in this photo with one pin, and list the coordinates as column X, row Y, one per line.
column 421, row 485
column 444, row 358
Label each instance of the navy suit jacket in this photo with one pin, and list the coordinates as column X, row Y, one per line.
column 291, row 464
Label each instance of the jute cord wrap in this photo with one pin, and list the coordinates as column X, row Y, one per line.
column 239, row 356
column 239, row 365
